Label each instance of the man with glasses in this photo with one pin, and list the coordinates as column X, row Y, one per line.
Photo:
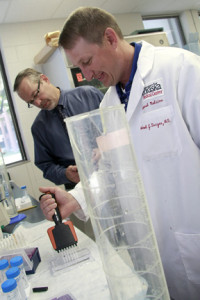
column 53, row 153
column 31, row 102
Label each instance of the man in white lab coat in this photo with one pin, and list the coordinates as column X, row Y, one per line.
column 160, row 88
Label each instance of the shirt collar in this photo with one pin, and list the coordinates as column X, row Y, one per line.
column 61, row 99
column 124, row 95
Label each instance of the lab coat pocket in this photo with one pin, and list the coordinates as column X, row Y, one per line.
column 189, row 247
column 159, row 134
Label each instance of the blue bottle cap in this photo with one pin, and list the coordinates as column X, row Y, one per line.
column 12, row 272
column 16, row 261
column 23, row 187
column 3, row 264
column 9, row 285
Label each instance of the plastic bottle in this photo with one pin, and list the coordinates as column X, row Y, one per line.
column 9, row 201
column 2, row 192
column 4, row 218
column 14, row 272
column 10, row 290
column 1, row 234
column 4, row 266
column 17, row 261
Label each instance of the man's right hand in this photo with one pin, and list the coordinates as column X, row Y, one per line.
column 72, row 174
column 66, row 202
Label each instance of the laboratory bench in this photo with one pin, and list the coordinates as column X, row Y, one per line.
column 83, row 280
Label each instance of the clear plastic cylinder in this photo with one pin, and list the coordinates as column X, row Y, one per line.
column 117, row 205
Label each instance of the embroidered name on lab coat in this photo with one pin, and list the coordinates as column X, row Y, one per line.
column 150, row 103
column 155, row 125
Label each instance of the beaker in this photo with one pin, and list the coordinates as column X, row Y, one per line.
column 117, row 205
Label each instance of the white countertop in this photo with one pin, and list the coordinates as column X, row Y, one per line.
column 83, row 281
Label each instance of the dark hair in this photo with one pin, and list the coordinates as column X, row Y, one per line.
column 89, row 23
column 32, row 74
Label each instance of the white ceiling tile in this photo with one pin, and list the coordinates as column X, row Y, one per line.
column 16, row 11
column 4, row 4
column 66, row 7
column 117, row 7
column 30, row 10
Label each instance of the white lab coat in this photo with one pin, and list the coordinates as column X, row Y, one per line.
column 164, row 117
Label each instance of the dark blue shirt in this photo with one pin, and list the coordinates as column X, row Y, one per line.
column 53, row 152
column 124, row 95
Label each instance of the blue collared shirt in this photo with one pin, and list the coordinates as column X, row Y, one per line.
column 124, row 94
column 53, row 152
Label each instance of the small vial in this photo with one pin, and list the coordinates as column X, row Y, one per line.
column 4, row 266
column 17, row 261
column 10, row 290
column 25, row 196
column 14, row 272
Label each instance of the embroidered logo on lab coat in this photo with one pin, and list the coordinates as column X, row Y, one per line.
column 152, row 95
column 153, row 89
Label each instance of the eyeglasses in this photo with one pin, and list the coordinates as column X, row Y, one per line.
column 30, row 103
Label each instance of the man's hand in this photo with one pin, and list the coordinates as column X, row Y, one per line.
column 72, row 174
column 66, row 202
